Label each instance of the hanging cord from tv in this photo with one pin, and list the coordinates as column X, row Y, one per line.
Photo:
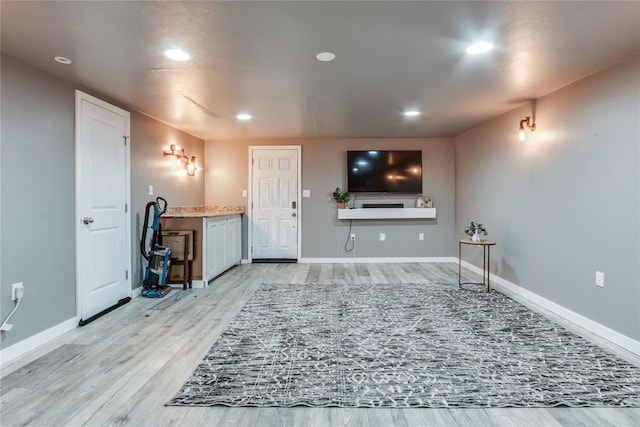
column 353, row 242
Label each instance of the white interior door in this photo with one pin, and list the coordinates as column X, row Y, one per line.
column 102, row 197
column 274, row 203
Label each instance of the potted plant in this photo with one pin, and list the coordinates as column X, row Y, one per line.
column 341, row 197
column 474, row 230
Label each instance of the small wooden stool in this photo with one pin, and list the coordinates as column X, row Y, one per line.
column 181, row 244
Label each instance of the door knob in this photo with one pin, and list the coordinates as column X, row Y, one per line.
column 293, row 214
column 87, row 220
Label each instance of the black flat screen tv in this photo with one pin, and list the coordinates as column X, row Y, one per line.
column 375, row 171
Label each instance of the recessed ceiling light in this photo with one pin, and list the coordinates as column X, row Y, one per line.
column 243, row 116
column 63, row 60
column 479, row 47
column 326, row 56
column 411, row 113
column 177, row 54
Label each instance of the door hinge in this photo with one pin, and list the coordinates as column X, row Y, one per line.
column 126, row 275
column 253, row 161
column 126, row 208
column 126, row 138
column 251, row 205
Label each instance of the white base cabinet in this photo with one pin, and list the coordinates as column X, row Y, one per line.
column 221, row 246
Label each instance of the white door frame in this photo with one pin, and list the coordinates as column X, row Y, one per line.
column 252, row 149
column 80, row 96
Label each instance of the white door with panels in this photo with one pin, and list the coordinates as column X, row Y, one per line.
column 274, row 203
column 102, row 198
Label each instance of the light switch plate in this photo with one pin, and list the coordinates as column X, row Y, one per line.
column 244, row 193
column 151, row 190
column 600, row 279
column 306, row 193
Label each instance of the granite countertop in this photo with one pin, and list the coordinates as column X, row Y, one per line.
column 202, row 211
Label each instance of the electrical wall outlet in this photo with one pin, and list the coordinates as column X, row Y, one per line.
column 383, row 237
column 244, row 193
column 420, row 236
column 353, row 236
column 600, row 279
column 17, row 291
column 151, row 190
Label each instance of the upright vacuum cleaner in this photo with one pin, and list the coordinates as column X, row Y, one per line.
column 154, row 284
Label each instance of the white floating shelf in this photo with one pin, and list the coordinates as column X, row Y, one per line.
column 386, row 213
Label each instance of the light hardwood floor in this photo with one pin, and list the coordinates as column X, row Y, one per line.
column 122, row 368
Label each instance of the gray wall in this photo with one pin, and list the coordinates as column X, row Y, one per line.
column 37, row 237
column 38, row 205
column 323, row 169
column 565, row 202
column 149, row 138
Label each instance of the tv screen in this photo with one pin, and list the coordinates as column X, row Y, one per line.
column 376, row 171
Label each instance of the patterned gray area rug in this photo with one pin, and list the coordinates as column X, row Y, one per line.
column 402, row 345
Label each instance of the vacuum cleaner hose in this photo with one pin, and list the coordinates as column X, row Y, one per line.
column 143, row 241
column 162, row 208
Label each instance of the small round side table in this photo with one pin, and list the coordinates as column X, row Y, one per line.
column 486, row 261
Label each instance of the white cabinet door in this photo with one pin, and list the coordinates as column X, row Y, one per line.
column 234, row 241
column 238, row 239
column 222, row 244
column 212, row 238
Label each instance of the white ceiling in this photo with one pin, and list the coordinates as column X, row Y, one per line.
column 259, row 57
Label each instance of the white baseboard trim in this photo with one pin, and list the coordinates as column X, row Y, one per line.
column 135, row 293
column 198, row 284
column 523, row 295
column 20, row 348
column 374, row 260
column 244, row 261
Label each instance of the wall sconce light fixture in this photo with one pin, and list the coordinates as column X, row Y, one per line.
column 185, row 163
column 529, row 124
column 174, row 150
column 191, row 166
